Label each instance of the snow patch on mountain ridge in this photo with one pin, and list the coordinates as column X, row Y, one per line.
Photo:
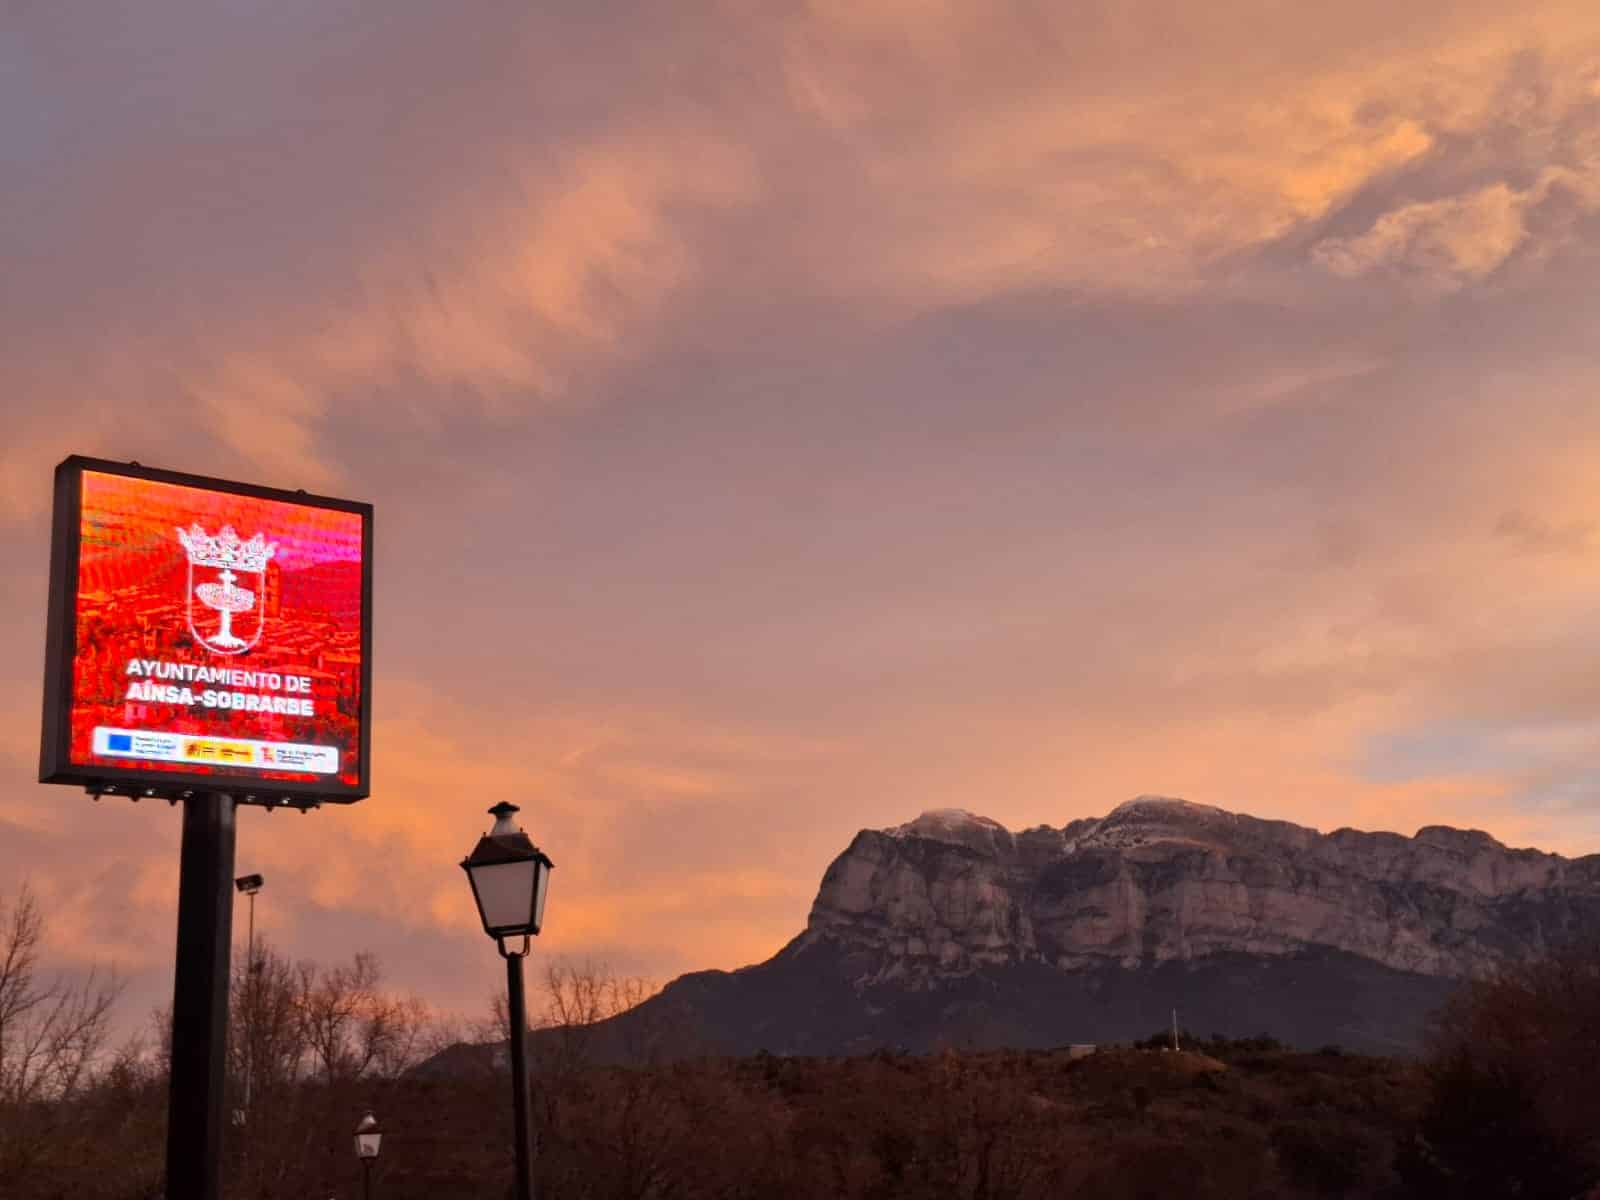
column 957, row 826
column 1140, row 821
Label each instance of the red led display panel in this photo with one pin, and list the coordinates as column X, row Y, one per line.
column 206, row 634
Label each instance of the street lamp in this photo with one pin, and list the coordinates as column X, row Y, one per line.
column 510, row 876
column 368, row 1138
column 249, row 885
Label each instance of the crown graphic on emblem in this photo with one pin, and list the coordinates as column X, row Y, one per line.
column 226, row 550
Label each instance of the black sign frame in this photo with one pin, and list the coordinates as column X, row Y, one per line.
column 55, row 760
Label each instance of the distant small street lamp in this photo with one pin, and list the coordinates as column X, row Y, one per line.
column 249, row 885
column 510, row 876
column 368, row 1138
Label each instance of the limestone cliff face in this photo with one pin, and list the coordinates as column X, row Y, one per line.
column 1162, row 880
column 952, row 930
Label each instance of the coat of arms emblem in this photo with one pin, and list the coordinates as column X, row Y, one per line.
column 230, row 557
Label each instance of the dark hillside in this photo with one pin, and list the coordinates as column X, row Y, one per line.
column 802, row 1003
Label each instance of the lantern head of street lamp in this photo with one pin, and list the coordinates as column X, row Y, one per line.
column 368, row 1137
column 249, row 884
column 509, row 876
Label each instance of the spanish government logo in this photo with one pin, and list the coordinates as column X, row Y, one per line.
column 230, row 558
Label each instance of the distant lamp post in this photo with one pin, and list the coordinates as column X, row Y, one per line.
column 368, row 1138
column 249, row 885
column 510, row 876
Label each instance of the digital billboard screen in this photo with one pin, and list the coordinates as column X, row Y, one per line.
column 206, row 635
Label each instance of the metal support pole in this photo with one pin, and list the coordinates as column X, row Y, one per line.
column 200, row 998
column 520, row 1135
column 366, row 1182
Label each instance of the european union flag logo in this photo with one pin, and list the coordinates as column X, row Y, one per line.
column 119, row 741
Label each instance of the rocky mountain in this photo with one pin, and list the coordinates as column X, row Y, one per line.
column 952, row 930
column 1161, row 880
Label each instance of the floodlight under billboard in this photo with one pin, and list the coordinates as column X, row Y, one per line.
column 205, row 635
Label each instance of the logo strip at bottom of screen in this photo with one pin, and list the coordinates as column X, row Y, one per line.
column 215, row 751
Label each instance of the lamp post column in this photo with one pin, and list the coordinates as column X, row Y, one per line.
column 520, row 1135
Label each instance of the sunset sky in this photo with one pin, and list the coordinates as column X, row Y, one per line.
column 785, row 418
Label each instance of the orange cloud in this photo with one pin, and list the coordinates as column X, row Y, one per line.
column 825, row 415
column 1135, row 153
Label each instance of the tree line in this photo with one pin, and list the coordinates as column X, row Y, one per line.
column 1501, row 1104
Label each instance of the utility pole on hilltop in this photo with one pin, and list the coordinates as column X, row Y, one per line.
column 1174, row 1029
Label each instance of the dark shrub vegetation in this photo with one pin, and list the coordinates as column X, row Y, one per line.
column 1511, row 1103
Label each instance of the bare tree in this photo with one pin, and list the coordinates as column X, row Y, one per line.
column 334, row 1002
column 580, row 999
column 53, row 1040
column 266, row 1047
column 352, row 1028
column 52, row 1031
column 399, row 1033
